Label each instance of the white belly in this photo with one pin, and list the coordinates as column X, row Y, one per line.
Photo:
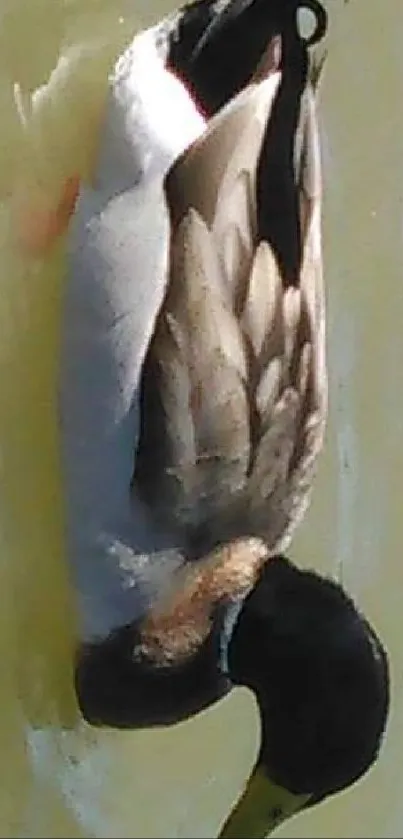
column 117, row 261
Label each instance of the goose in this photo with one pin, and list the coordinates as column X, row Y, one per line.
column 193, row 402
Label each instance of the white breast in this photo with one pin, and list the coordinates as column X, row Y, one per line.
column 150, row 120
column 117, row 258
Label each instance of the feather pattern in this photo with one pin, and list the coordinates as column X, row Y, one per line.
column 234, row 388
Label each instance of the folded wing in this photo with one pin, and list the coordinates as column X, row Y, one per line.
column 234, row 384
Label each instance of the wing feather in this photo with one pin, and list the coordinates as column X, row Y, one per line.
column 263, row 301
column 237, row 359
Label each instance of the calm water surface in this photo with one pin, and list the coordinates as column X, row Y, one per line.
column 58, row 777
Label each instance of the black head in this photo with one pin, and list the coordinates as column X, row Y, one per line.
column 217, row 45
column 320, row 676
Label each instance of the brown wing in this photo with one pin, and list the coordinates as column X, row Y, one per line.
column 234, row 396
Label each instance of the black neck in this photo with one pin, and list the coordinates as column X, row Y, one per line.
column 215, row 49
column 320, row 677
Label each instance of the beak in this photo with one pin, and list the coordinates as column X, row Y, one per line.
column 263, row 806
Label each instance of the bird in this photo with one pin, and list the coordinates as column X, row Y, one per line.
column 193, row 403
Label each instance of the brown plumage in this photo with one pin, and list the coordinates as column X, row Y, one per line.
column 233, row 413
column 235, row 386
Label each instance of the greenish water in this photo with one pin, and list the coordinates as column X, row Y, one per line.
column 60, row 778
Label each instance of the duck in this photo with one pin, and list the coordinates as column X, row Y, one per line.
column 193, row 403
